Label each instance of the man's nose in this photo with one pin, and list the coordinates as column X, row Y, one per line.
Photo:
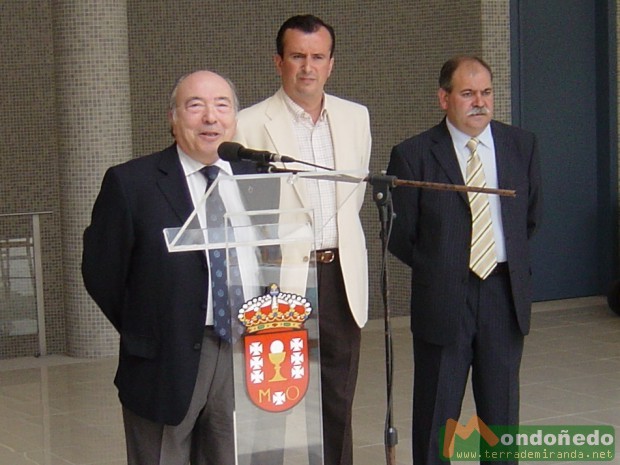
column 209, row 115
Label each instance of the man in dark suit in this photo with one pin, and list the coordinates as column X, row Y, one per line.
column 470, row 283
column 175, row 374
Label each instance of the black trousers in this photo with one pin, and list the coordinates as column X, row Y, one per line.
column 340, row 340
column 491, row 344
column 339, row 346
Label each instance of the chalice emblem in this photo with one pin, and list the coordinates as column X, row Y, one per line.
column 276, row 357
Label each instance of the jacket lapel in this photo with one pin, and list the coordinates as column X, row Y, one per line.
column 443, row 151
column 279, row 128
column 502, row 157
column 341, row 138
column 281, row 133
column 173, row 185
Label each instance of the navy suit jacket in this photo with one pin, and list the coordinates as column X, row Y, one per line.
column 432, row 228
column 156, row 300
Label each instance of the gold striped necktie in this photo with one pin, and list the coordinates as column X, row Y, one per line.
column 482, row 259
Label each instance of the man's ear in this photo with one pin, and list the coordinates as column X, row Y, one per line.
column 442, row 95
column 277, row 61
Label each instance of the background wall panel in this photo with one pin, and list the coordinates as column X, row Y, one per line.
column 388, row 56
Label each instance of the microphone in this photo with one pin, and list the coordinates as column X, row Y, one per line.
column 232, row 151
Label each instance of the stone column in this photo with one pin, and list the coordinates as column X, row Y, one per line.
column 91, row 64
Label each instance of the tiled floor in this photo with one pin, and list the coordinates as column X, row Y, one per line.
column 62, row 411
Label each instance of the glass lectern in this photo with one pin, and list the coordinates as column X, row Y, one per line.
column 269, row 235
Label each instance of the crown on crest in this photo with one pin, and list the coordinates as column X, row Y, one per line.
column 274, row 310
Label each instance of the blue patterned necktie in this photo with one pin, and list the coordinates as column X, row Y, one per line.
column 217, row 259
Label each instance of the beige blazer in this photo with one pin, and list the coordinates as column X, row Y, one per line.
column 267, row 126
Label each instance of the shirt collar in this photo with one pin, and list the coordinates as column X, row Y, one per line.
column 298, row 113
column 460, row 139
column 191, row 166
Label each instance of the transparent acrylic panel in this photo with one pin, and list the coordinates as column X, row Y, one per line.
column 276, row 360
column 18, row 311
column 269, row 238
column 18, row 306
column 266, row 199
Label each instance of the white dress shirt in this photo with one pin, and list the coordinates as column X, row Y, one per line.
column 231, row 198
column 486, row 152
column 315, row 146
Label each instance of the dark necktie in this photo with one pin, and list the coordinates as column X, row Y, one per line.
column 215, row 210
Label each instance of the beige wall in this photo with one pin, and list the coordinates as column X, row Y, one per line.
column 387, row 58
column 65, row 121
column 29, row 171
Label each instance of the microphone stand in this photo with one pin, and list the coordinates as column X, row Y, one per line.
column 382, row 195
column 269, row 168
column 307, row 163
column 382, row 186
column 266, row 167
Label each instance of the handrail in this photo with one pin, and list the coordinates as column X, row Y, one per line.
column 3, row 215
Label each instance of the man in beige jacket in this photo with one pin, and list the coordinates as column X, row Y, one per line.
column 303, row 122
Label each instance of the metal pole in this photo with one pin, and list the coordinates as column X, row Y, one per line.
column 38, row 280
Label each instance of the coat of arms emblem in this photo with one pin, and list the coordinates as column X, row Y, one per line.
column 276, row 349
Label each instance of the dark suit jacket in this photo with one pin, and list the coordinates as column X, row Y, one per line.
column 155, row 299
column 432, row 229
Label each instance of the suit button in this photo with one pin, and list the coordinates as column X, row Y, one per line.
column 197, row 346
column 203, row 307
